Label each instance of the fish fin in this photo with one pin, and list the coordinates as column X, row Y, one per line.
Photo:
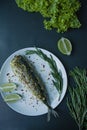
column 53, row 112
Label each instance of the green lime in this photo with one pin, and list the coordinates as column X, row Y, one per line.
column 65, row 46
column 12, row 97
column 7, row 87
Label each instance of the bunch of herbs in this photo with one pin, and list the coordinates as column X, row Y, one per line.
column 77, row 103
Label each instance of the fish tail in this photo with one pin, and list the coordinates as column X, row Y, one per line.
column 53, row 112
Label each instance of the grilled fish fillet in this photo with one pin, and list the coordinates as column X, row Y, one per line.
column 22, row 68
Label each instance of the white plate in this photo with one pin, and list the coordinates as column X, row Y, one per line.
column 29, row 105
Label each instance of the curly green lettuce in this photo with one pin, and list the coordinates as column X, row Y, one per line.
column 59, row 14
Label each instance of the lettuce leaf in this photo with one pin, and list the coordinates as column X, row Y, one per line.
column 59, row 14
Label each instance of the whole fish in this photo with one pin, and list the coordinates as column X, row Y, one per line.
column 22, row 68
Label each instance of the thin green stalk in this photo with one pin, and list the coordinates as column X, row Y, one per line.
column 58, row 81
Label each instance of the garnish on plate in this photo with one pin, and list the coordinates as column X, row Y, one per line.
column 12, row 97
column 7, row 87
column 77, row 103
column 8, row 90
column 58, row 81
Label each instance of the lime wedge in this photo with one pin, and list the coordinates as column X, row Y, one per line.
column 7, row 87
column 65, row 46
column 12, row 97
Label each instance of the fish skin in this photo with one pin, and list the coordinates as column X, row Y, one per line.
column 22, row 68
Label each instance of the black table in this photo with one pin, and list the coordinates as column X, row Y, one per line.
column 20, row 29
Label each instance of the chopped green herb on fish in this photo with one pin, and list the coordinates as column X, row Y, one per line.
column 21, row 67
column 58, row 81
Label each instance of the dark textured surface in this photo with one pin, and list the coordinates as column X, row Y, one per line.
column 19, row 29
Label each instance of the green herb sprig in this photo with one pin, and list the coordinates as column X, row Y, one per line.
column 77, row 103
column 58, row 81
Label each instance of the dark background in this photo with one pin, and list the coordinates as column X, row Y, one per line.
column 20, row 29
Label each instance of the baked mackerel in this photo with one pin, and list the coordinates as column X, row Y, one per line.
column 22, row 68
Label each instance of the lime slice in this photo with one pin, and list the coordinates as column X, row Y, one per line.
column 8, row 87
column 65, row 46
column 12, row 97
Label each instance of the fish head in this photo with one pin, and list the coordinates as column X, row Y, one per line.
column 17, row 64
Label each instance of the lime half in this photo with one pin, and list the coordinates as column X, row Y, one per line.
column 12, row 97
column 7, row 87
column 65, row 46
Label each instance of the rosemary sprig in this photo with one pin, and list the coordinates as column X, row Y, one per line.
column 77, row 103
column 58, row 81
